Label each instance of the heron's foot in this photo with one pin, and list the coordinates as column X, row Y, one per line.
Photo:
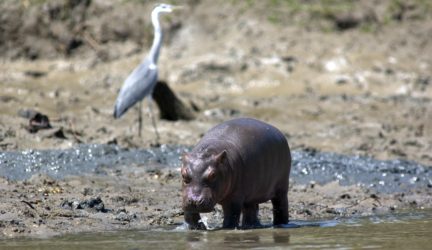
column 155, row 144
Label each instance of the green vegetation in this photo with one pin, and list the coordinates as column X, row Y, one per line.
column 327, row 14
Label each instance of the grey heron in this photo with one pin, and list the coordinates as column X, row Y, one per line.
column 141, row 82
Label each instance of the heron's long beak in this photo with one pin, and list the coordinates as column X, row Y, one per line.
column 178, row 7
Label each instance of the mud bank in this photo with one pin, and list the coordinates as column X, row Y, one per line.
column 104, row 187
column 338, row 79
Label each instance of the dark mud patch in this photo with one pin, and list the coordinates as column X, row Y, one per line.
column 83, row 159
column 383, row 176
column 308, row 166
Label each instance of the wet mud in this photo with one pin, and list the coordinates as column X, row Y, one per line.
column 104, row 187
column 308, row 167
column 348, row 84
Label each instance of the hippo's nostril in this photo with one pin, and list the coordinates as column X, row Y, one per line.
column 191, row 202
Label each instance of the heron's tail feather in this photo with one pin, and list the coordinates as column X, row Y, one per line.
column 117, row 113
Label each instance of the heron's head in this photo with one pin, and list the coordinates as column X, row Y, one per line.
column 164, row 8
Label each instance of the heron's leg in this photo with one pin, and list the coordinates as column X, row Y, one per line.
column 140, row 119
column 153, row 119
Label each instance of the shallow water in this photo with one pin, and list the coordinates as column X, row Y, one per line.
column 383, row 176
column 410, row 230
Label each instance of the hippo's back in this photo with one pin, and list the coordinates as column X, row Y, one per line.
column 242, row 130
column 264, row 153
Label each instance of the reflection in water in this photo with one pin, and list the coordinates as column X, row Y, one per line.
column 194, row 237
column 266, row 236
column 233, row 238
column 281, row 237
column 238, row 238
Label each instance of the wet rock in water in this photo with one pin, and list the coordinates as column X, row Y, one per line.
column 92, row 204
column 37, row 120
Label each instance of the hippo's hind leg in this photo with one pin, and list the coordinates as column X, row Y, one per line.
column 231, row 215
column 250, row 216
column 280, row 208
column 193, row 220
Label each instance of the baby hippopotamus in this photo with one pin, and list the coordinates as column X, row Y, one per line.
column 238, row 164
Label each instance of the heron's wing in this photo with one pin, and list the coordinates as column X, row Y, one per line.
column 138, row 85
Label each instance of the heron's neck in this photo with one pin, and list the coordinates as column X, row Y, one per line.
column 157, row 40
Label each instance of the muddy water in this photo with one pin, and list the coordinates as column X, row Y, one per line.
column 395, row 231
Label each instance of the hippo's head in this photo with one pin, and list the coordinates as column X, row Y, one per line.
column 205, row 180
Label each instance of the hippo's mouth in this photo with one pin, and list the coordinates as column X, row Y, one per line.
column 199, row 208
column 206, row 209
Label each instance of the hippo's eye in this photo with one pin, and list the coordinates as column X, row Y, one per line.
column 211, row 176
column 186, row 177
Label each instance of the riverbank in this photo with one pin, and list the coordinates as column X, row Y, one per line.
column 95, row 188
column 353, row 80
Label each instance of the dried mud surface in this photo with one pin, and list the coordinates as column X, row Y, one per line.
column 355, row 82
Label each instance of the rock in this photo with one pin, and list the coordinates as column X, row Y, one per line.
column 92, row 204
column 124, row 216
column 35, row 73
column 345, row 196
column 37, row 120
column 170, row 106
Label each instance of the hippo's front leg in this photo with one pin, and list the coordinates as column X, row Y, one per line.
column 250, row 216
column 280, row 208
column 193, row 220
column 232, row 213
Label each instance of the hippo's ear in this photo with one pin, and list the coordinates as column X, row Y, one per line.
column 221, row 156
